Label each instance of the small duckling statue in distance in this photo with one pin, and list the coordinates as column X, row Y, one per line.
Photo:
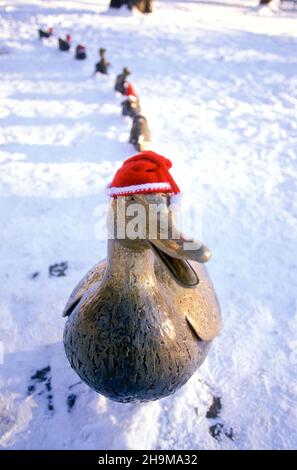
column 103, row 65
column 121, row 80
column 64, row 44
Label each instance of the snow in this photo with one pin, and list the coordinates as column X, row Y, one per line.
column 218, row 82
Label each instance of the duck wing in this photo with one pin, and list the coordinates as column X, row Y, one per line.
column 198, row 305
column 92, row 277
column 203, row 312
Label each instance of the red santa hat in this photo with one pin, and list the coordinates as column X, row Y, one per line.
column 146, row 172
column 130, row 90
column 68, row 38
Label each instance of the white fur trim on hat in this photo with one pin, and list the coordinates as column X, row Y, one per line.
column 114, row 191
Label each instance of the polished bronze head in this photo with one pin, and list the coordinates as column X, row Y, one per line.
column 142, row 221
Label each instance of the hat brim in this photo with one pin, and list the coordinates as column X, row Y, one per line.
column 145, row 188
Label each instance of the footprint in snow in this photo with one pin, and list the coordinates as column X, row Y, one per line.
column 219, row 429
column 58, row 269
column 41, row 384
column 54, row 270
column 34, row 275
column 215, row 408
column 72, row 397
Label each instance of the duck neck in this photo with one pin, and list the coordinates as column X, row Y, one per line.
column 127, row 264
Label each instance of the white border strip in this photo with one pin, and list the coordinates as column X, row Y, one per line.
column 114, row 191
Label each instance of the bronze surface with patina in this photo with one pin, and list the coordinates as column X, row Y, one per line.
column 141, row 323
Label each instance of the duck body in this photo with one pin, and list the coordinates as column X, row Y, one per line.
column 140, row 136
column 45, row 33
column 120, row 84
column 133, row 333
column 131, row 107
column 63, row 44
column 102, row 66
column 80, row 52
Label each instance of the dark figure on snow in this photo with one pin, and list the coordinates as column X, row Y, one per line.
column 80, row 52
column 65, row 44
column 118, row 3
column 145, row 6
column 140, row 136
column 45, row 33
column 103, row 64
column 120, row 84
column 131, row 107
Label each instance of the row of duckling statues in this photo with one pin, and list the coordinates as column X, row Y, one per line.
column 140, row 135
column 141, row 321
column 64, row 43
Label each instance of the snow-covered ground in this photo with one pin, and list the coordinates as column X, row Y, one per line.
column 218, row 82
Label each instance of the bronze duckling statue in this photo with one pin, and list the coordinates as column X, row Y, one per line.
column 141, row 323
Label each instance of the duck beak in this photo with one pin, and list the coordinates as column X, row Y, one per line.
column 172, row 247
column 175, row 255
